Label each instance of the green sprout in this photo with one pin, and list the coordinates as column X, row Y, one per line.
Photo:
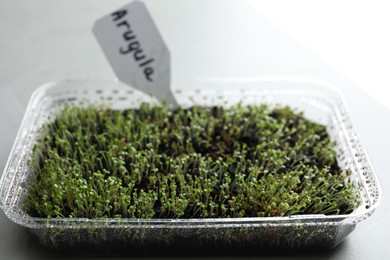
column 198, row 162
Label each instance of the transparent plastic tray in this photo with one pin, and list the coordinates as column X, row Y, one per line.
column 319, row 102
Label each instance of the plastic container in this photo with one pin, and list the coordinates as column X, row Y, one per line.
column 319, row 102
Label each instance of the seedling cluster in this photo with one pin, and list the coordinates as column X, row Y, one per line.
column 200, row 162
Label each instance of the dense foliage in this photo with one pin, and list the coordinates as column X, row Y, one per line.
column 242, row 161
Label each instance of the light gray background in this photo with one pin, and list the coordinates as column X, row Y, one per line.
column 45, row 40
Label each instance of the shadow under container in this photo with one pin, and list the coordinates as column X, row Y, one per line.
column 319, row 101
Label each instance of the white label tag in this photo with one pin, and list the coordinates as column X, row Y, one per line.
column 135, row 49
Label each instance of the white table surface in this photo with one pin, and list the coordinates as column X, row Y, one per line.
column 45, row 40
